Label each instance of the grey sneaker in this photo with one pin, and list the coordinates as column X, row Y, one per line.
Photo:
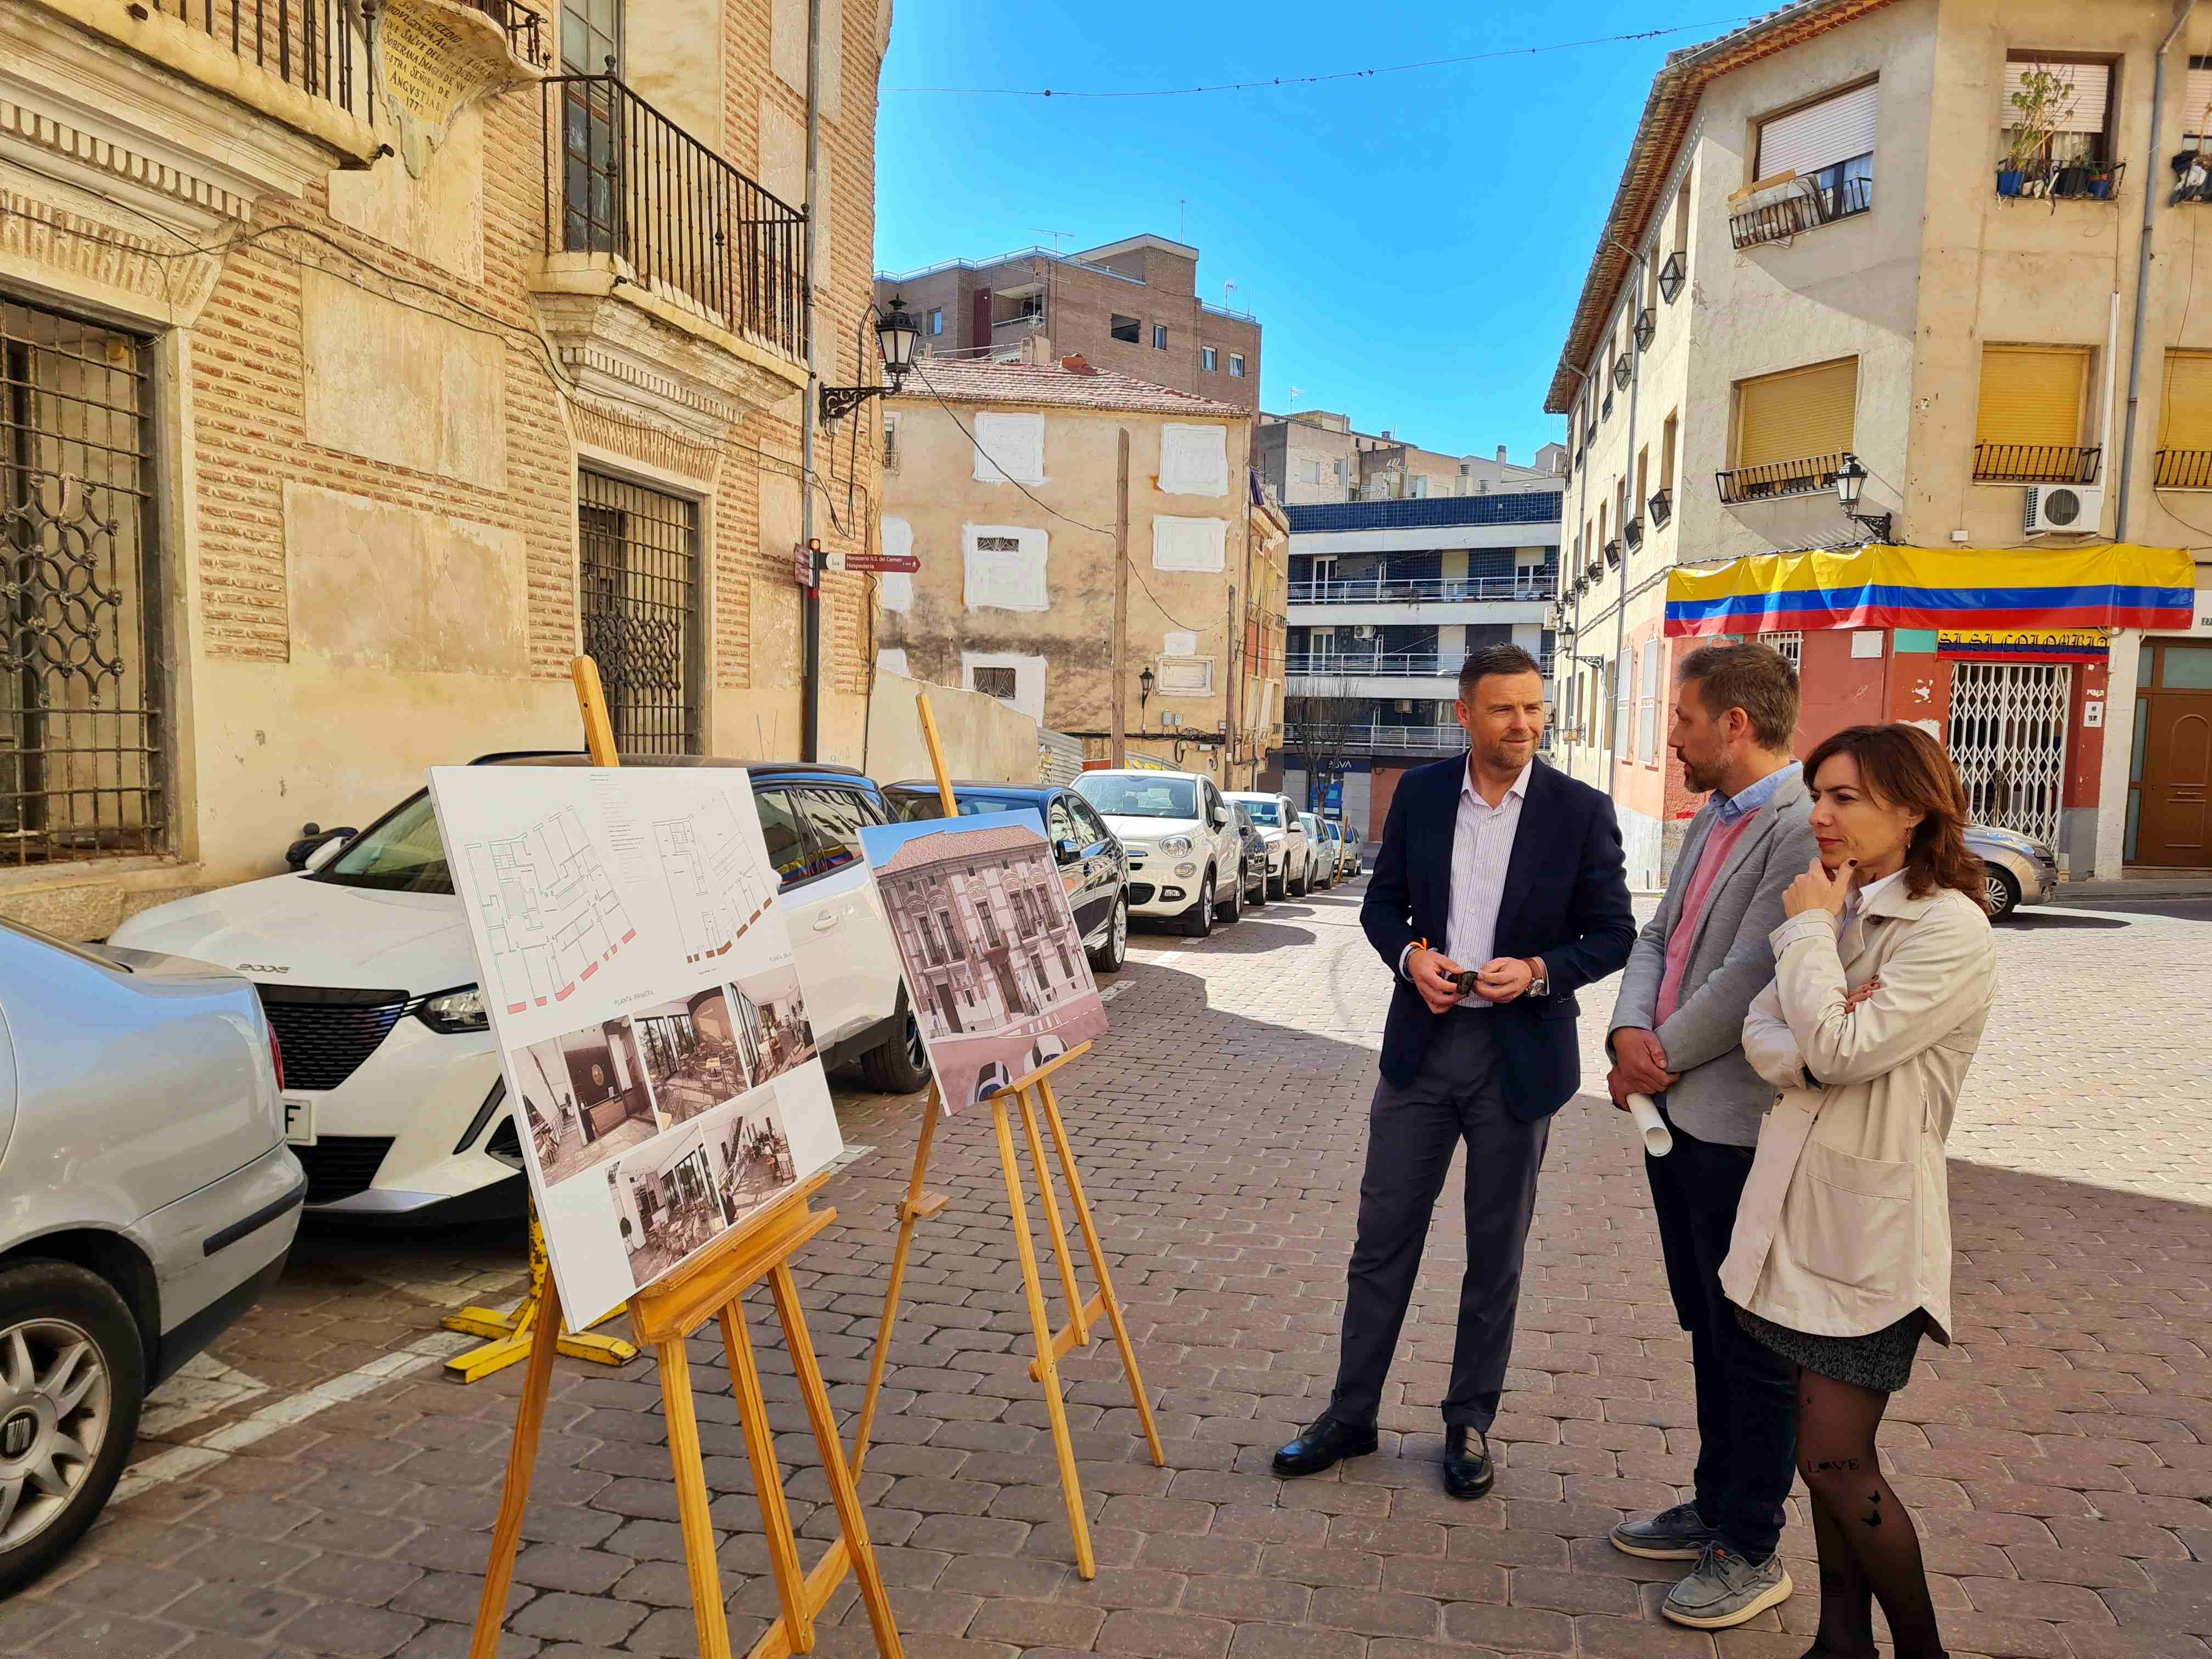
column 1726, row 1589
column 1675, row 1534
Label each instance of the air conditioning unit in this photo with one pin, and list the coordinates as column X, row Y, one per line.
column 1363, row 631
column 2065, row 509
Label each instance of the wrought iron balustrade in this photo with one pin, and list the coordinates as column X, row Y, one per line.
column 1368, row 665
column 2037, row 462
column 2063, row 181
column 315, row 44
column 1535, row 585
column 621, row 179
column 2184, row 469
column 1834, row 194
column 524, row 29
column 1804, row 475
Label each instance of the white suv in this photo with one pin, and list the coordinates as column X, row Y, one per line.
column 1186, row 858
column 1290, row 854
column 393, row 1097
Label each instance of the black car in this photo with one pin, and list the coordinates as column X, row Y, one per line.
column 1093, row 868
column 1255, row 855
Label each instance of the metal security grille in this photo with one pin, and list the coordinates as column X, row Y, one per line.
column 2008, row 737
column 640, row 606
column 81, row 682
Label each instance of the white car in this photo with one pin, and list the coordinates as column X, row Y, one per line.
column 1324, row 855
column 1290, row 853
column 1186, row 859
column 393, row 1097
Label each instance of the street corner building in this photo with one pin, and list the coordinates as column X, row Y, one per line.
column 1890, row 356
column 991, row 956
column 1142, row 604
column 365, row 364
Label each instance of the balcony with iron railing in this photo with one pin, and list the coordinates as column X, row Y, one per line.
column 1381, row 665
column 1375, row 736
column 669, row 277
column 2183, row 469
column 2037, row 462
column 2079, row 180
column 1772, row 480
column 1791, row 206
column 1535, row 586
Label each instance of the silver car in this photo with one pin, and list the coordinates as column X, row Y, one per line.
column 147, row 1200
column 2016, row 869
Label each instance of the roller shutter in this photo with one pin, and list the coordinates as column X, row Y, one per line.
column 1819, row 134
column 1804, row 412
column 2032, row 394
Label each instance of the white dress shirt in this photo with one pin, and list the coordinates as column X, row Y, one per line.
column 1482, row 846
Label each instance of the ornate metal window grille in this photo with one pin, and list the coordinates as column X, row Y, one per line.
column 82, row 685
column 639, row 596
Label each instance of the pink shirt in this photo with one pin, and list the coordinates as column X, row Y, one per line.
column 1720, row 841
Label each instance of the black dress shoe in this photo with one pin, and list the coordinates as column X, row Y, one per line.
column 1467, row 1473
column 1322, row 1445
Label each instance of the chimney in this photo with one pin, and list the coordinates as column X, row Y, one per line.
column 1037, row 349
column 1501, row 455
column 1078, row 365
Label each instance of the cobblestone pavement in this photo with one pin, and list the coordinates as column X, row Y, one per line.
column 316, row 1488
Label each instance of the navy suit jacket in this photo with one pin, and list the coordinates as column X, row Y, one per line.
column 1565, row 900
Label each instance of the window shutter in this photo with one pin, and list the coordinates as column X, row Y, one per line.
column 2195, row 120
column 1819, row 134
column 1805, row 411
column 2188, row 422
column 2092, row 86
column 2032, row 394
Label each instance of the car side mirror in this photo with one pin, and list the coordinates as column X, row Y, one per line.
column 323, row 854
column 1067, row 851
column 1220, row 818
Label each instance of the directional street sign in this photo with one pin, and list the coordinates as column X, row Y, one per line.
column 880, row 563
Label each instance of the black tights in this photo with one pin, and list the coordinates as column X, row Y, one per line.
column 1868, row 1549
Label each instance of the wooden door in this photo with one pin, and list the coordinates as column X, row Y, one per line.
column 2174, row 824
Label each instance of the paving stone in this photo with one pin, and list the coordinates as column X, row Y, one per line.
column 337, row 1628
column 1152, row 1635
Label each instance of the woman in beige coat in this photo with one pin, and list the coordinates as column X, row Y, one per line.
column 1841, row 1257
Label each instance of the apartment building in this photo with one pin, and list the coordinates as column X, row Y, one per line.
column 1315, row 457
column 1941, row 255
column 366, row 363
column 1388, row 597
column 1130, row 307
column 1007, row 481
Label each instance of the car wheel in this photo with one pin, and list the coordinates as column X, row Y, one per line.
column 1109, row 958
column 2000, row 892
column 900, row 1065
column 1304, row 884
column 1198, row 921
column 1234, row 909
column 72, row 1378
column 1255, row 896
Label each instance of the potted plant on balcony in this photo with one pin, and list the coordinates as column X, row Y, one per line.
column 2098, row 181
column 2043, row 100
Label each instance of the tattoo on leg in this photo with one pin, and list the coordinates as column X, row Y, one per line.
column 1835, row 1464
column 1874, row 1518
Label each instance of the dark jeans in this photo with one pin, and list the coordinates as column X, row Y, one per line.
column 1411, row 1133
column 1746, row 1408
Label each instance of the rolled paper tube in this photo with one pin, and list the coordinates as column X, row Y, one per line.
column 1648, row 1124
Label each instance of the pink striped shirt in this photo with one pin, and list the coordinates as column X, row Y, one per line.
column 1720, row 841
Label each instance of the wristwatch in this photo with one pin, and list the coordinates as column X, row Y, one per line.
column 1540, row 982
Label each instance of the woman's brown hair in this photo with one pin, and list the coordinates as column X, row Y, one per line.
column 1902, row 766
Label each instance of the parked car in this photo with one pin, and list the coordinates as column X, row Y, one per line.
column 1255, row 853
column 394, row 1098
column 1185, row 859
column 2017, row 869
column 1355, row 846
column 1338, row 863
column 1092, row 866
column 1322, row 868
column 149, row 1199
column 1290, row 853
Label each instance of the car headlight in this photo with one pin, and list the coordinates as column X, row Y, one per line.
column 1175, row 843
column 455, row 1011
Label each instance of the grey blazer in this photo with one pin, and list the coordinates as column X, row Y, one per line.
column 1720, row 1098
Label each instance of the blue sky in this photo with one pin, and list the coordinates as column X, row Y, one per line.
column 1413, row 243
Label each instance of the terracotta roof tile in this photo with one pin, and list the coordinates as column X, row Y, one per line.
column 976, row 381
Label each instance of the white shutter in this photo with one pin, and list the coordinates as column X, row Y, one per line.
column 1195, row 460
column 2091, row 83
column 2194, row 121
column 1010, row 448
column 1188, row 543
column 1819, row 134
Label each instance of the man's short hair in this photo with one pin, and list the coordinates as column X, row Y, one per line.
column 1494, row 659
column 1756, row 679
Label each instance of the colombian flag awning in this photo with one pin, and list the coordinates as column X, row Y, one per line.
column 1950, row 589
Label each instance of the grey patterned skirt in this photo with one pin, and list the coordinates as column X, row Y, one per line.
column 1881, row 1360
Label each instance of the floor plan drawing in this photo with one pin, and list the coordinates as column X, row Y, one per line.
column 550, row 912
column 712, row 876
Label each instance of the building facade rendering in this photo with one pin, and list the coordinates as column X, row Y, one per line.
column 365, row 365
column 1134, row 306
column 1005, row 482
column 1948, row 242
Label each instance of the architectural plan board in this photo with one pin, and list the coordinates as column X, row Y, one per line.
column 651, row 1019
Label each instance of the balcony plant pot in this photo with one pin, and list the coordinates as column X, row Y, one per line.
column 2009, row 180
column 2100, row 182
column 2072, row 181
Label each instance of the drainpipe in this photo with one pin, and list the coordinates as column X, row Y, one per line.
column 810, row 598
column 2181, row 12
column 1628, row 472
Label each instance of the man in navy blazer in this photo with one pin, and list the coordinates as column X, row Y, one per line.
column 1498, row 892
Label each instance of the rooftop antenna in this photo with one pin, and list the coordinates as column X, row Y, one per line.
column 1055, row 235
column 1294, row 396
column 1182, row 216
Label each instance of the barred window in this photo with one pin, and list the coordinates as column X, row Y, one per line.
column 640, row 598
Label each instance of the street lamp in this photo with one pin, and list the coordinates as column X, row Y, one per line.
column 897, row 334
column 1850, row 480
column 1144, row 695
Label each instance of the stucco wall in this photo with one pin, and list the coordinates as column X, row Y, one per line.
column 984, row 741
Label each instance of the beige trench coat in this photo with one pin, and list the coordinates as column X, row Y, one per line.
column 1844, row 1225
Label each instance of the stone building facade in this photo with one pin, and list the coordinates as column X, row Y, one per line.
column 361, row 379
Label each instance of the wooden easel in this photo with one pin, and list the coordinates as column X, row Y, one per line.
column 509, row 1335
column 663, row 1318
column 1033, row 1097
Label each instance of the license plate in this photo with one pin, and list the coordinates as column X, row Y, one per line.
column 299, row 1120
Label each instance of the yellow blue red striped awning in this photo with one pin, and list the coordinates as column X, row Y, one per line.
column 2116, row 586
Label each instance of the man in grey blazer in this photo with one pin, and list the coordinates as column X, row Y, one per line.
column 1677, row 1034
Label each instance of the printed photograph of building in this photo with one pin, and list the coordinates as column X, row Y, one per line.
column 691, row 1054
column 994, row 964
column 586, row 1096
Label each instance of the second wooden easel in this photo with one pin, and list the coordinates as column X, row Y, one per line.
column 663, row 1317
column 1033, row 1098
